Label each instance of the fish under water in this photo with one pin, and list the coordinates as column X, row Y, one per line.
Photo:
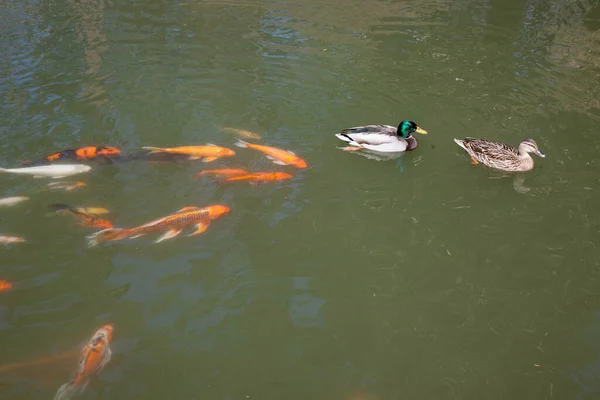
column 260, row 177
column 87, row 219
column 227, row 172
column 241, row 133
column 80, row 153
column 11, row 201
column 50, row 171
column 11, row 239
column 94, row 356
column 68, row 186
column 278, row 156
column 4, row 286
column 207, row 153
column 173, row 224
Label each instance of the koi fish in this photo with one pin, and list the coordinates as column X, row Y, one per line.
column 50, row 171
column 173, row 224
column 5, row 285
column 260, row 177
column 11, row 239
column 92, row 210
column 88, row 220
column 80, row 153
column 94, row 357
column 223, row 172
column 278, row 156
column 241, row 133
column 11, row 201
column 209, row 153
column 68, row 186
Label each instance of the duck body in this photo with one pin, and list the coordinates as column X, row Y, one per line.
column 500, row 155
column 382, row 138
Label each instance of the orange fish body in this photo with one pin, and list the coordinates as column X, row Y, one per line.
column 11, row 239
column 80, row 153
column 94, row 357
column 208, row 153
column 282, row 157
column 5, row 285
column 173, row 224
column 226, row 173
column 261, row 177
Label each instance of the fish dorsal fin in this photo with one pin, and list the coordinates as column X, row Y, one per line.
column 211, row 144
column 289, row 151
column 188, row 209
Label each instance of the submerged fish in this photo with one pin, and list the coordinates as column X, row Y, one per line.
column 80, row 153
column 5, row 285
column 11, row 201
column 68, row 186
column 51, row 171
column 281, row 157
column 260, row 177
column 88, row 220
column 11, row 239
column 223, row 172
column 173, row 224
column 241, row 133
column 94, row 357
column 208, row 153
column 92, row 210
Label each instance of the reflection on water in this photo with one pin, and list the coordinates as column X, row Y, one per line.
column 421, row 276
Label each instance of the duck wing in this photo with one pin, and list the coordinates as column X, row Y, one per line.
column 489, row 149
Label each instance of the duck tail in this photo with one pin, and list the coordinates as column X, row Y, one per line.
column 110, row 234
column 461, row 143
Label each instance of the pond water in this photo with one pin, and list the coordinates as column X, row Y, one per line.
column 415, row 277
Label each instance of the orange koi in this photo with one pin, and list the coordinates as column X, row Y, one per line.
column 88, row 220
column 173, row 224
column 260, row 177
column 208, row 153
column 11, row 239
column 278, row 156
column 241, row 133
column 5, row 285
column 94, row 357
column 226, row 173
column 68, row 186
column 80, row 153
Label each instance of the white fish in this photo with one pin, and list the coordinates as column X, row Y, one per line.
column 11, row 201
column 51, row 171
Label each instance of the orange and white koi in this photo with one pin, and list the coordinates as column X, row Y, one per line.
column 88, row 220
column 173, row 224
column 68, row 186
column 5, row 285
column 241, row 133
column 11, row 239
column 278, row 156
column 225, row 173
column 94, row 357
column 207, row 153
column 92, row 210
column 260, row 177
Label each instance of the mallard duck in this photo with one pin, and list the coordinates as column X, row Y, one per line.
column 499, row 155
column 382, row 138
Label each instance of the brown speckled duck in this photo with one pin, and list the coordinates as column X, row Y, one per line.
column 499, row 155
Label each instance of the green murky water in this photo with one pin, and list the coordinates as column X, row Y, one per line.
column 419, row 277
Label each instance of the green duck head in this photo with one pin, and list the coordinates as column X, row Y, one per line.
column 406, row 128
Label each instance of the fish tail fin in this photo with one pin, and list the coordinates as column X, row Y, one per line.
column 106, row 235
column 59, row 207
column 2, row 169
column 241, row 143
column 66, row 391
column 153, row 149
